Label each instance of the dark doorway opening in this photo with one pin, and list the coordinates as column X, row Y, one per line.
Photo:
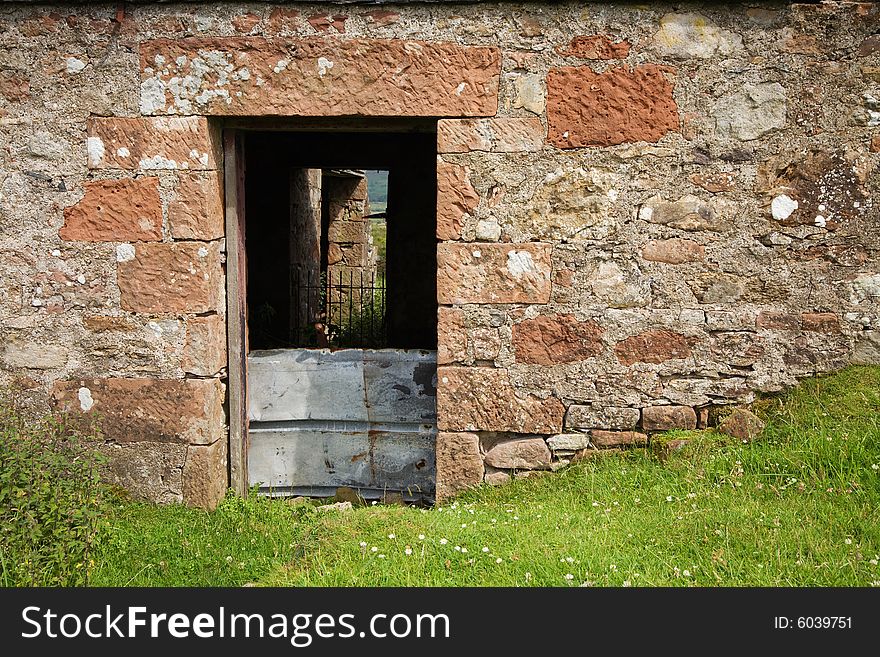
column 318, row 274
column 336, row 387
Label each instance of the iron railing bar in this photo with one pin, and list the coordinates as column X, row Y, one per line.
column 317, row 299
column 340, row 310
column 350, row 303
column 361, row 309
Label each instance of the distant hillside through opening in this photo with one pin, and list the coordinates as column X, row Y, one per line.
column 377, row 189
column 377, row 193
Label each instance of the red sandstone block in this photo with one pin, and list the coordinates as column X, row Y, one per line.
column 152, row 143
column 666, row 418
column 204, row 353
column 459, row 463
column 156, row 410
column 552, row 339
column 585, row 108
column 600, row 438
column 596, row 46
column 493, row 273
column 14, row 86
column 115, row 211
column 197, row 212
column 205, row 477
column 484, row 399
column 320, row 77
column 499, row 135
column 183, row 277
column 455, row 198
column 673, row 251
column 656, row 346
column 820, row 322
column 452, row 336
column 778, row 321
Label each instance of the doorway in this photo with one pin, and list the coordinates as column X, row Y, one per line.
column 337, row 248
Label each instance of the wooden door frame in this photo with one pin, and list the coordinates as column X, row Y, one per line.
column 236, row 308
column 234, row 130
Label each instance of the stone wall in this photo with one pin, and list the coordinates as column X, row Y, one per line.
column 349, row 250
column 643, row 211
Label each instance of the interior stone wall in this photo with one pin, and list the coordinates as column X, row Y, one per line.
column 644, row 212
column 348, row 253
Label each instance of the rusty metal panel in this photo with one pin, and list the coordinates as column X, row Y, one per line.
column 401, row 385
column 356, row 385
column 332, row 454
column 306, row 384
column 363, row 419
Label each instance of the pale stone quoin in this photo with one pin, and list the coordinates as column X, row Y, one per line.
column 643, row 214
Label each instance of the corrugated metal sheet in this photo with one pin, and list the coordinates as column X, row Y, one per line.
column 362, row 419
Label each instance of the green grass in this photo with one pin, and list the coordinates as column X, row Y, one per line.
column 799, row 508
column 148, row 545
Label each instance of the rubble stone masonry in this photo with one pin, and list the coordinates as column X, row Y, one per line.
column 644, row 211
